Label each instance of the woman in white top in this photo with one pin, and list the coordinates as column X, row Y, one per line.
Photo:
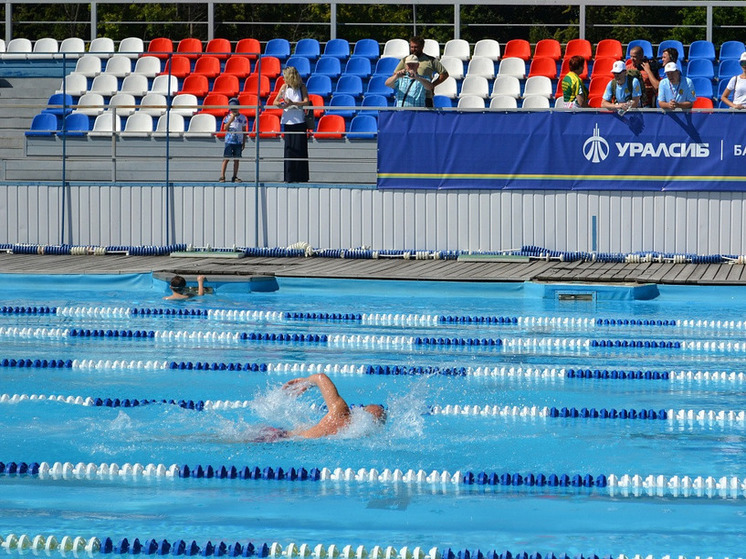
column 292, row 97
column 737, row 84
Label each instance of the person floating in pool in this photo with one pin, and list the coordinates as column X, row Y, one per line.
column 179, row 290
column 338, row 416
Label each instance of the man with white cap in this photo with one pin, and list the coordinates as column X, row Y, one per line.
column 623, row 92
column 675, row 91
column 411, row 87
column 737, row 86
column 429, row 67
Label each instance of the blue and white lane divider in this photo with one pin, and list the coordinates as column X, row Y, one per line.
column 625, row 485
column 681, row 416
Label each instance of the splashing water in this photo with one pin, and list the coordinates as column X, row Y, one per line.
column 283, row 408
column 406, row 411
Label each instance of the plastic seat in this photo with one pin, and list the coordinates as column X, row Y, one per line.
column 432, row 48
column 169, row 124
column 45, row 48
column 609, row 48
column 215, row 104
column 90, row 104
column 269, row 126
column 565, row 68
column 731, row 50
column 248, row 103
column 17, row 49
column 300, row 63
column 239, row 66
column 602, row 68
column 148, row 66
column 386, row 66
column 457, row 48
column 106, row 124
column 728, row 68
column 138, row 124
column 548, row 48
column 320, row 85
column 103, row 47
column 249, row 48
column 594, row 101
column 119, row 66
column 475, row 85
column 374, row 101
column 448, row 88
column 202, row 125
column 307, row 48
column 512, row 66
column 579, row 47
column 105, row 85
column 43, row 124
column 377, row 86
column 453, row 66
column 442, row 102
column 367, row 48
column 178, row 66
column 190, row 47
column 597, row 85
column 256, row 83
column 363, row 127
column 342, row 100
column 131, row 47
column 161, row 47
column 88, row 65
column 517, row 48
column 480, row 66
column 318, row 104
column 219, row 48
column 358, row 66
column 74, row 84
column 543, row 67
column 535, row 102
column 165, row 85
column 153, row 103
column 488, row 48
column 278, row 48
column 349, row 85
column 702, row 87
column 671, row 43
column 470, row 102
column 330, row 127
column 647, row 48
column 135, row 84
column 338, row 48
column 395, row 48
column 209, row 66
column 503, row 102
column 702, row 49
column 227, row 84
column 538, row 85
column 506, row 86
column 700, row 68
column 59, row 104
column 185, row 104
column 269, row 66
column 703, row 103
column 328, row 66
column 75, row 124
column 124, row 103
column 71, row 48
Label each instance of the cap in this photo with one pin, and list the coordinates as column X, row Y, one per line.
column 618, row 67
column 411, row 59
column 671, row 67
column 233, row 101
column 743, row 57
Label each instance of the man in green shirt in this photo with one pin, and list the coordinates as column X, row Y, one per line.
column 428, row 68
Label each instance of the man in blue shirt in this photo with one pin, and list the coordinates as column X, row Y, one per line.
column 675, row 91
column 411, row 88
column 623, row 92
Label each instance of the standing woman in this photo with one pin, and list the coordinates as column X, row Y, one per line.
column 736, row 84
column 292, row 97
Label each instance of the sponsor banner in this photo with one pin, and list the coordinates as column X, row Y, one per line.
column 578, row 150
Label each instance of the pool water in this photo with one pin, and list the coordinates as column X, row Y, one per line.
column 515, row 371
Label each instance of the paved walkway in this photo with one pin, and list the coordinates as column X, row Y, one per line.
column 389, row 268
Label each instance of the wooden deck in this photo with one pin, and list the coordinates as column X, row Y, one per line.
column 397, row 269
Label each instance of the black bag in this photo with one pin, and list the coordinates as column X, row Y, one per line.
column 310, row 120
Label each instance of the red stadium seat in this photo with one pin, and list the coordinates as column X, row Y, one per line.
column 253, row 82
column 161, row 47
column 218, row 99
column 548, row 48
column 316, row 101
column 196, row 84
column 517, row 48
column 330, row 127
column 250, row 48
column 609, row 48
column 269, row 66
column 190, row 47
column 219, row 48
column 239, row 66
column 208, row 66
column 594, row 101
column 178, row 66
column 602, row 67
column 566, row 68
column 543, row 66
column 703, row 103
column 578, row 47
column 271, row 109
column 248, row 99
column 227, row 84
column 598, row 86
column 269, row 126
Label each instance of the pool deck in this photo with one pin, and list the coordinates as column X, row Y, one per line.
column 481, row 270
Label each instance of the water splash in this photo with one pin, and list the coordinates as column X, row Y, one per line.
column 283, row 408
column 406, row 411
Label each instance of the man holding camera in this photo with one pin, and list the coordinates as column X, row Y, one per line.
column 411, row 87
column 641, row 67
column 429, row 67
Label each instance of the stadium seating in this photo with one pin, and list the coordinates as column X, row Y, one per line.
column 489, row 48
column 363, row 127
column 44, row 49
column 106, row 124
column 431, row 48
column 374, row 101
column 43, row 124
column 702, row 87
column 579, row 47
column 594, row 101
column 124, row 103
column 442, row 102
column 475, row 85
column 119, row 66
column 377, row 86
column 543, row 66
column 149, row 66
column 90, row 104
column 300, row 63
column 338, row 48
column 185, row 104
column 453, row 66
column 189, row 47
column 513, row 66
column 609, row 48
column 17, row 49
column 59, row 104
column 703, row 103
column 71, row 48
column 395, row 48
column 269, row 66
column 647, row 48
column 342, row 100
column 227, row 84
column 74, row 84
column 218, row 48
column 598, row 85
column 75, row 124
column 535, row 102
column 538, row 85
column 671, row 43
column 103, row 47
column 367, row 48
column 448, row 88
column 316, row 101
column 328, row 66
column 700, row 67
column 307, row 48
column 386, row 65
column 731, row 50
column 602, row 68
column 728, row 68
column 170, row 124
column 330, row 127
column 506, row 86
column 209, row 66
column 138, row 124
column 471, row 102
column 202, row 125
column 278, row 48
column 161, row 47
column 105, row 85
column 135, row 84
column 165, row 85
column 215, row 104
column 457, row 48
column 480, row 66
column 249, row 48
column 269, row 126
column 517, row 48
column 548, row 48
column 358, row 66
column 565, row 68
column 88, row 65
column 503, row 102
column 153, row 104
column 131, row 47
column 702, row 49
column 255, row 83
column 320, row 84
column 248, row 102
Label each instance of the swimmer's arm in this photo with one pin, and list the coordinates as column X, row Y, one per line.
column 334, row 402
column 201, row 285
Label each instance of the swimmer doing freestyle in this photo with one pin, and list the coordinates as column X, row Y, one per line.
column 337, row 418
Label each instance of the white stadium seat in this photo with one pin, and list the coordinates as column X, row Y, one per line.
column 105, row 124
column 489, row 48
column 503, row 102
column 74, row 84
column 124, row 103
column 453, row 66
column 131, row 47
column 535, row 102
column 458, row 48
column 538, row 85
column 202, row 125
column 174, row 122
column 475, row 85
column 481, row 66
column 506, row 85
column 397, row 48
column 153, row 104
column 138, row 124
column 512, row 67
column 471, row 102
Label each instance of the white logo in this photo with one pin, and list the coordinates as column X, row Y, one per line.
column 595, row 148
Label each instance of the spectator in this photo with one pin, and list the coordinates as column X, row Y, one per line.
column 737, row 86
column 636, row 69
column 668, row 55
column 428, row 67
column 675, row 92
column 623, row 92
column 411, row 87
column 574, row 92
column 235, row 125
column 292, row 97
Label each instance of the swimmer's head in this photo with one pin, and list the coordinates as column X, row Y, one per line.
column 378, row 412
column 178, row 284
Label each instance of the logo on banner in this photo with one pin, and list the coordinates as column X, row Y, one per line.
column 596, row 148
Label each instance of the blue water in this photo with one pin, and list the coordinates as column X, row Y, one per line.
column 571, row 520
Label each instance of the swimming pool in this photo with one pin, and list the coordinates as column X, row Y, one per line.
column 518, row 422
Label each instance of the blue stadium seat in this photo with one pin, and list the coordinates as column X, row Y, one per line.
column 367, row 48
column 349, row 85
column 702, row 49
column 338, row 48
column 442, row 102
column 647, row 48
column 309, row 48
column 59, row 99
column 342, row 100
column 44, row 124
column 300, row 63
column 76, row 124
column 320, row 85
column 358, row 66
column 722, row 86
column 728, row 68
column 731, row 50
column 279, row 48
column 374, row 101
column 328, row 66
column 671, row 43
column 702, row 87
column 377, row 86
column 363, row 127
column 385, row 66
column 700, row 68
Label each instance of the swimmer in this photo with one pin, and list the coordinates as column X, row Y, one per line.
column 179, row 288
column 337, row 418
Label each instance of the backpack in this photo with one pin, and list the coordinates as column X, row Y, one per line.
column 628, row 88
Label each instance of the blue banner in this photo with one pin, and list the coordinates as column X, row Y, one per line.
column 568, row 150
